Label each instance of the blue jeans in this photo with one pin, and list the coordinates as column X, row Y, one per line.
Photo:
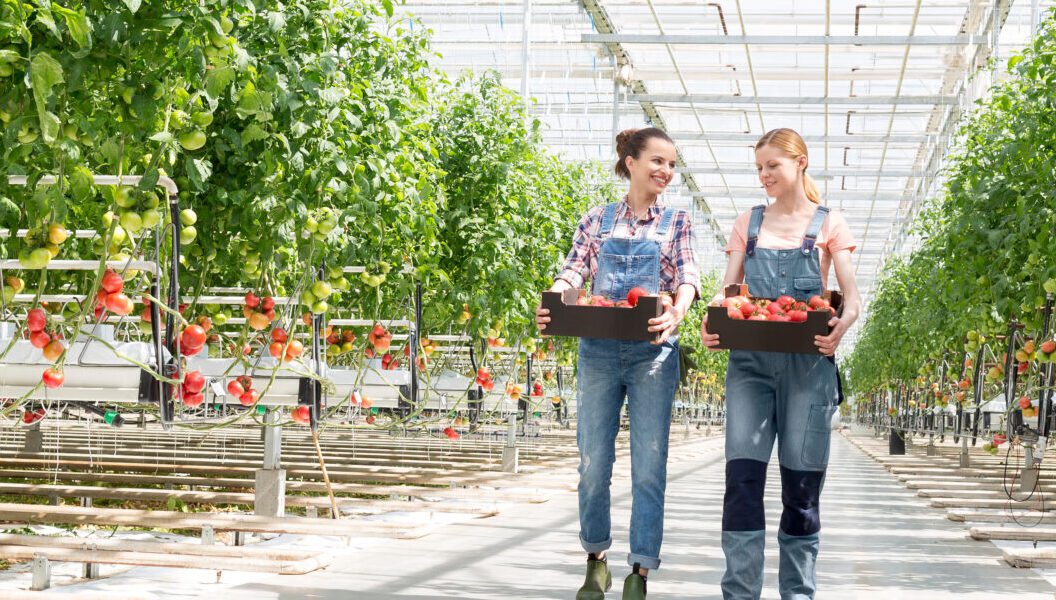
column 647, row 375
column 790, row 397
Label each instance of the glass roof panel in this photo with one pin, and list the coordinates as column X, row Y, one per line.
column 877, row 90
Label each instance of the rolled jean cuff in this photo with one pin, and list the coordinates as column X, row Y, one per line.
column 595, row 547
column 646, row 562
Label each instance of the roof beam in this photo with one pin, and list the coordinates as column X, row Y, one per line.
column 729, row 136
column 832, row 101
column 833, row 172
column 785, row 40
column 750, row 193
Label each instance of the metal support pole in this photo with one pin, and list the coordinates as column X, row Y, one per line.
column 318, row 326
column 1032, row 466
column 510, row 450
column 41, row 573
column 526, row 43
column 269, row 493
column 615, row 101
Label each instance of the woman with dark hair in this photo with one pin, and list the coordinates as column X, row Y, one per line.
column 786, row 248
column 637, row 242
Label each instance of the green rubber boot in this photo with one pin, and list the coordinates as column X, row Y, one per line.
column 634, row 587
column 598, row 581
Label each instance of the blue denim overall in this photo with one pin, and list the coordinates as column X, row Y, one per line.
column 647, row 375
column 782, row 395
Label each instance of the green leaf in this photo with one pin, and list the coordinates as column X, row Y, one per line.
column 49, row 126
column 198, row 170
column 82, row 184
column 78, row 24
column 218, row 80
column 149, row 179
column 8, row 56
column 111, row 151
column 252, row 133
column 1014, row 60
column 388, row 7
column 45, row 73
column 162, row 136
column 133, row 5
column 45, row 18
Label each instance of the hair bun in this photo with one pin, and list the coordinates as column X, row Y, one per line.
column 622, row 138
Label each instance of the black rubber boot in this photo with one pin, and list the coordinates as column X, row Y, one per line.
column 598, row 580
column 634, row 586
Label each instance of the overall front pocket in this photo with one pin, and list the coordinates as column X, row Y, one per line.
column 816, row 439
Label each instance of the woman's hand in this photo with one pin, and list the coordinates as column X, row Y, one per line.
column 667, row 323
column 710, row 340
column 827, row 343
column 541, row 317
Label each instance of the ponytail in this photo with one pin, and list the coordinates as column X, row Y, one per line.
column 811, row 188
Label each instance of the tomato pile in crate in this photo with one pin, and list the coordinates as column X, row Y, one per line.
column 782, row 324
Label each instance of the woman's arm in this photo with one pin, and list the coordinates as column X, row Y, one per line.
column 852, row 304
column 575, row 270
column 734, row 274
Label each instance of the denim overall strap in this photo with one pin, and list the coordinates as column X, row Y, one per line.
column 666, row 219
column 754, row 225
column 814, row 229
column 608, row 220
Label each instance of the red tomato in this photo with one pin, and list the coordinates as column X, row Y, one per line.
column 735, row 313
column 192, row 337
column 192, row 400
column 249, row 398
column 39, row 339
column 797, row 316
column 279, row 335
column 251, row 300
column 275, row 349
column 302, row 414
column 295, row 349
column 53, row 378
column 119, row 304
column 268, row 303
column 36, row 320
column 235, row 388
column 635, row 294
column 54, row 350
column 112, row 282
column 194, row 382
column 774, row 308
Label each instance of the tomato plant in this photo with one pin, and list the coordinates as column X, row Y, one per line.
column 988, row 247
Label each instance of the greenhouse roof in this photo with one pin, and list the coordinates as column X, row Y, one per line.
column 877, row 89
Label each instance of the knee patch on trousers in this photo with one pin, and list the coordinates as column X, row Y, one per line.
column 800, row 494
column 743, row 504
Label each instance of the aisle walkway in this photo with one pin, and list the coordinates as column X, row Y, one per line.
column 880, row 542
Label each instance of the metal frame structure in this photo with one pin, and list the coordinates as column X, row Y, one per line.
column 878, row 89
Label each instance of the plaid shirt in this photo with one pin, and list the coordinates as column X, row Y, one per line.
column 678, row 264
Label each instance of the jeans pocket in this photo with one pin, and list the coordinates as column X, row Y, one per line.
column 817, row 437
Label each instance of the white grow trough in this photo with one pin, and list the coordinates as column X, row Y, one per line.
column 92, row 370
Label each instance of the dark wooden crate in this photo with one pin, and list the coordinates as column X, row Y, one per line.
column 609, row 322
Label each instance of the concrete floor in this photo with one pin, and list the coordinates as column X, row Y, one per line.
column 879, row 541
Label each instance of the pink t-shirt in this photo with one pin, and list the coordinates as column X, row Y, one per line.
column 834, row 236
